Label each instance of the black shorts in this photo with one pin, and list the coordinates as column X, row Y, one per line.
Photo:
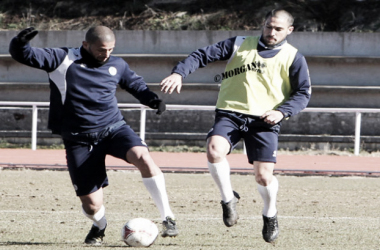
column 86, row 161
column 260, row 138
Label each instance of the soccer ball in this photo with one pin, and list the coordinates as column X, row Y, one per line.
column 139, row 232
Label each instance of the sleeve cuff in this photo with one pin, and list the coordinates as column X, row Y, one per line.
column 286, row 115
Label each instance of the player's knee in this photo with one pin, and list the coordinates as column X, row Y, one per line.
column 141, row 158
column 216, row 153
column 91, row 208
column 144, row 156
column 263, row 179
column 93, row 202
column 263, row 172
column 138, row 156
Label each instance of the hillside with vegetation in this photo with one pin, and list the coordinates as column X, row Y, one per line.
column 310, row 15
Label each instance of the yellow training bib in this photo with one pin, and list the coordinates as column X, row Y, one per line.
column 252, row 84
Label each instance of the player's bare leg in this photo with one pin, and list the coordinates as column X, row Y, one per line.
column 267, row 185
column 154, row 181
column 93, row 208
column 217, row 150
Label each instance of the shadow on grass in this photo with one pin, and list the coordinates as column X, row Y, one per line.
column 21, row 243
column 15, row 243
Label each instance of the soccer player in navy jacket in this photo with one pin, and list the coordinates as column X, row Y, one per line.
column 84, row 111
column 265, row 81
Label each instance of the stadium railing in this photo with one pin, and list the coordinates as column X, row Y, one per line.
column 143, row 108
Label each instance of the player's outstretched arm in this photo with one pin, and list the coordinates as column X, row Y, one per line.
column 171, row 83
column 47, row 59
column 26, row 35
column 20, row 43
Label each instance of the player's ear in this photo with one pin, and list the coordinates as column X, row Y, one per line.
column 290, row 30
column 85, row 44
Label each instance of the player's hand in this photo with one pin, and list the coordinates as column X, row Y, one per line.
column 272, row 117
column 27, row 34
column 157, row 104
column 172, row 82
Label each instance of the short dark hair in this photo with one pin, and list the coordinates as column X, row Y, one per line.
column 274, row 12
column 101, row 33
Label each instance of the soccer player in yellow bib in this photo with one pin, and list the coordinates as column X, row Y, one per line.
column 266, row 80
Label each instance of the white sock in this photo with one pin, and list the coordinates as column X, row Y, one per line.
column 221, row 173
column 98, row 218
column 157, row 189
column 269, row 195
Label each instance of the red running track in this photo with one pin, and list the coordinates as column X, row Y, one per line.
column 196, row 162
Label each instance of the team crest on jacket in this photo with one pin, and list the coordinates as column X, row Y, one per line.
column 112, row 71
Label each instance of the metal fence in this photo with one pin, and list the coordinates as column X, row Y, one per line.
column 35, row 105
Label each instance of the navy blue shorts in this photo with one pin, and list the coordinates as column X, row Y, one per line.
column 86, row 161
column 260, row 138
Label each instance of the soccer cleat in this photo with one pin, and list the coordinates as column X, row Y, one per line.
column 95, row 236
column 270, row 228
column 230, row 216
column 169, row 228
